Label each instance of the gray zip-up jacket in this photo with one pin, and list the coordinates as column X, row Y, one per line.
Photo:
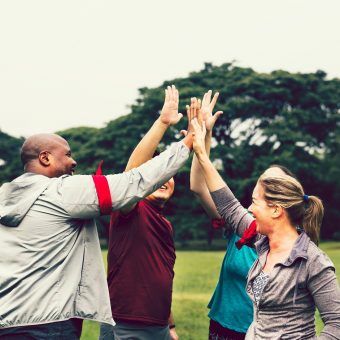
column 295, row 287
column 51, row 266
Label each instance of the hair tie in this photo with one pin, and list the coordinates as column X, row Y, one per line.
column 305, row 198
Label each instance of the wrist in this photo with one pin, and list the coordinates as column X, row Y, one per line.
column 208, row 136
column 172, row 326
column 162, row 123
column 202, row 156
column 188, row 140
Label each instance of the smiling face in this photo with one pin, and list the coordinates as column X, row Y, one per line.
column 163, row 194
column 263, row 212
column 47, row 154
column 61, row 161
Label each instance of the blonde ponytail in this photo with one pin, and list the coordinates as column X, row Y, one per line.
column 312, row 218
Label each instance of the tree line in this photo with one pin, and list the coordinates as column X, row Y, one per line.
column 283, row 118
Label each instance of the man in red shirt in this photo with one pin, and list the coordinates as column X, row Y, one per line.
column 141, row 254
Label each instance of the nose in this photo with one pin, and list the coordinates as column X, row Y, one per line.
column 74, row 163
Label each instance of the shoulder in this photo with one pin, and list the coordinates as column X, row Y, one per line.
column 318, row 260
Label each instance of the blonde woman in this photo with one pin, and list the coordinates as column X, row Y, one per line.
column 292, row 276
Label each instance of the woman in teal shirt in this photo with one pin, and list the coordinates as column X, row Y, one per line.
column 230, row 306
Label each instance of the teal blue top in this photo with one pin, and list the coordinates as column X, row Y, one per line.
column 230, row 305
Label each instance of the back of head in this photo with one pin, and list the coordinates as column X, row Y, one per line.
column 302, row 210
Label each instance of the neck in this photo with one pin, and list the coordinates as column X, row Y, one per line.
column 158, row 203
column 282, row 238
column 39, row 171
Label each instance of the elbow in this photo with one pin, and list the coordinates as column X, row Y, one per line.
column 195, row 190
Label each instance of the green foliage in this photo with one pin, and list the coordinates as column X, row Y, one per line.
column 10, row 164
column 277, row 118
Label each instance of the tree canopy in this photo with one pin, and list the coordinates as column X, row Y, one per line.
column 283, row 118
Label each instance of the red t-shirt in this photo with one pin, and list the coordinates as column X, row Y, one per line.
column 141, row 259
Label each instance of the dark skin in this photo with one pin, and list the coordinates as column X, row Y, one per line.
column 48, row 155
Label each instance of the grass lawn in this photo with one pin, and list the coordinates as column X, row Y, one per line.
column 196, row 276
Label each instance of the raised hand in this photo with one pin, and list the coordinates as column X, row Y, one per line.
column 169, row 114
column 207, row 108
column 197, row 127
column 193, row 111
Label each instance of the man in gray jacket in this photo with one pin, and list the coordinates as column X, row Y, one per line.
column 51, row 269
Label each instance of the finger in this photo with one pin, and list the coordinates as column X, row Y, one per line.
column 199, row 113
column 173, row 91
column 209, row 96
column 194, row 105
column 214, row 100
column 176, row 95
column 179, row 117
column 166, row 96
column 188, row 113
column 217, row 115
column 170, row 92
column 192, row 109
column 204, row 99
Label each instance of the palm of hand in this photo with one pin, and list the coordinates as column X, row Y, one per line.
column 169, row 114
column 207, row 117
column 207, row 108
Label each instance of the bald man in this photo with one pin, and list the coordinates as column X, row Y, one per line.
column 40, row 150
column 51, row 269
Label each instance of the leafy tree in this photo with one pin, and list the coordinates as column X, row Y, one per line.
column 10, row 164
column 283, row 118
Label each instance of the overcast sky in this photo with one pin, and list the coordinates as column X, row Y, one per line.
column 68, row 63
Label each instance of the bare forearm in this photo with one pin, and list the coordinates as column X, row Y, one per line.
column 198, row 185
column 212, row 178
column 197, row 180
column 147, row 146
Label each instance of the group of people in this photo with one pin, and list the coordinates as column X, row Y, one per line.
column 52, row 276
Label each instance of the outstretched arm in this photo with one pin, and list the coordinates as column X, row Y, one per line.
column 228, row 207
column 148, row 145
column 169, row 116
column 197, row 180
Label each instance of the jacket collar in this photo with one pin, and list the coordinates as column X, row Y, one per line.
column 299, row 249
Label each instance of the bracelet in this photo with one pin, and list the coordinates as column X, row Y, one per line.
column 172, row 326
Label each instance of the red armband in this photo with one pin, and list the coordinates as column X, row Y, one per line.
column 248, row 236
column 103, row 191
column 217, row 223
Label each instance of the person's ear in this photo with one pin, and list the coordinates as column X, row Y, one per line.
column 277, row 211
column 44, row 158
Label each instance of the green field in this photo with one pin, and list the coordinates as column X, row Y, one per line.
column 196, row 276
